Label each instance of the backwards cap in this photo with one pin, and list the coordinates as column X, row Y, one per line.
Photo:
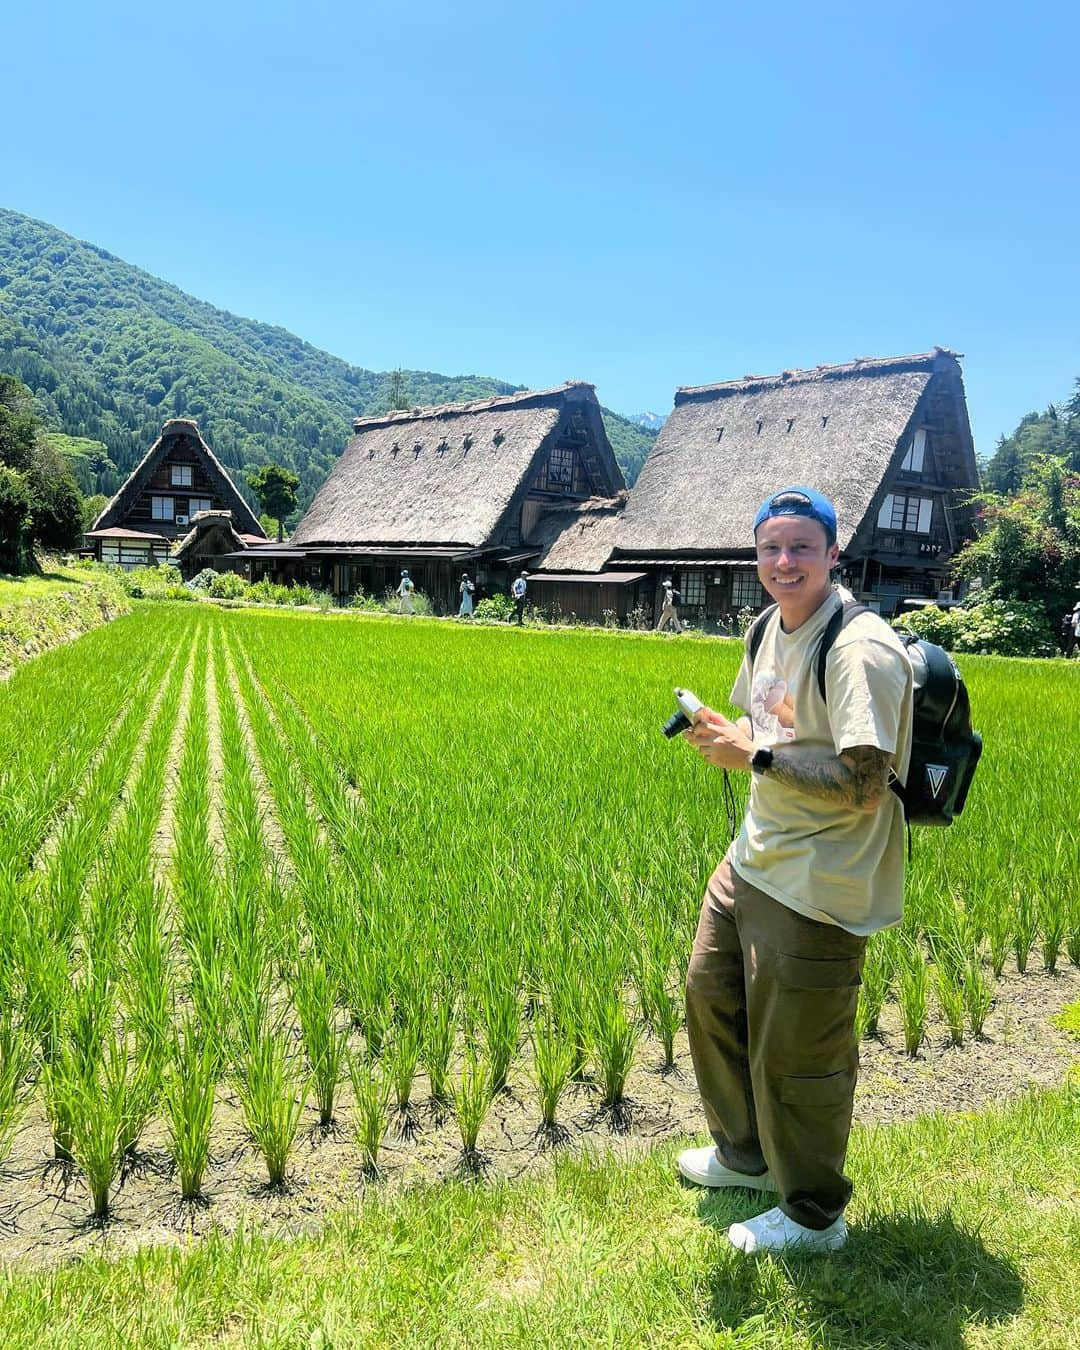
column 799, row 501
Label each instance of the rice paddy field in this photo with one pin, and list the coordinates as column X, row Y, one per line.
column 296, row 909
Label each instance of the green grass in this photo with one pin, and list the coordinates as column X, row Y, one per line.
column 54, row 579
column 480, row 822
column 1069, row 1019
column 965, row 1232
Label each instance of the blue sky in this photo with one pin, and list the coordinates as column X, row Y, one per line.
column 640, row 195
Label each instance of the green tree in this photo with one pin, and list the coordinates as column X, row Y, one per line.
column 15, row 521
column 43, row 481
column 275, row 488
column 397, row 393
column 92, row 507
column 1029, row 547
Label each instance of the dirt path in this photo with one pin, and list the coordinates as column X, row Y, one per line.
column 272, row 835
column 216, row 828
column 163, row 845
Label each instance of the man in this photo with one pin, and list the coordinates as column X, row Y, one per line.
column 405, row 592
column 1070, row 630
column 669, row 613
column 517, row 591
column 817, row 866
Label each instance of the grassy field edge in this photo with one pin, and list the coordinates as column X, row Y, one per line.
column 965, row 1232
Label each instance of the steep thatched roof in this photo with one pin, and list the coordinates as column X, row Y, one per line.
column 446, row 475
column 727, row 446
column 224, row 486
column 219, row 524
column 577, row 538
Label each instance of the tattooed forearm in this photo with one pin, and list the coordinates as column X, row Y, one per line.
column 857, row 778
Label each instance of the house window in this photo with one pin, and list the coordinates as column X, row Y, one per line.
column 911, row 514
column 199, row 504
column 692, row 586
column 745, row 590
column 913, row 460
column 181, row 475
column 161, row 508
column 561, row 466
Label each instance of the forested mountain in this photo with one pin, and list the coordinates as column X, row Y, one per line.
column 1054, row 432
column 110, row 352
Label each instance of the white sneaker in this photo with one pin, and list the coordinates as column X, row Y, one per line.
column 702, row 1166
column 773, row 1231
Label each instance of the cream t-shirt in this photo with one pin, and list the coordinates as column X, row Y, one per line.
column 821, row 859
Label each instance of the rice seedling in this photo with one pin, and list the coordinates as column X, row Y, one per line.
column 472, row 1097
column 402, row 1059
column 189, row 1088
column 553, row 1062
column 1053, row 909
column 914, row 993
column 371, row 1109
column 99, row 1101
column 950, row 996
column 999, row 933
column 271, row 1089
column 499, row 1011
column 1025, row 929
column 15, row 1060
column 324, row 1040
column 438, row 1043
column 613, row 1040
column 978, row 993
column 879, row 969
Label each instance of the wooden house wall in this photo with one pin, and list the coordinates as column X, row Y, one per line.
column 139, row 514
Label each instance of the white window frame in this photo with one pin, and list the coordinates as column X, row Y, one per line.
column 162, row 508
column 197, row 504
column 182, row 475
column 906, row 514
column 916, row 455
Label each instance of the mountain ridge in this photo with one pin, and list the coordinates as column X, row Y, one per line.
column 110, row 352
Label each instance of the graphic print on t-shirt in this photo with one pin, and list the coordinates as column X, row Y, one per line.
column 771, row 709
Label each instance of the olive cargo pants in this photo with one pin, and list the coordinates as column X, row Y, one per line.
column 770, row 1010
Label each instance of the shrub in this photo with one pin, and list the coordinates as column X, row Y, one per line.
column 202, row 581
column 494, row 608
column 366, row 602
column 997, row 627
column 228, row 586
column 178, row 593
column 420, row 602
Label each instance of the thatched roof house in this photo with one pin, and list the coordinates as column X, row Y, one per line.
column 888, row 440
column 211, row 539
column 177, row 478
column 571, row 546
column 445, row 489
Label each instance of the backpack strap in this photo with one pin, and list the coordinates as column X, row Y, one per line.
column 851, row 609
column 756, row 632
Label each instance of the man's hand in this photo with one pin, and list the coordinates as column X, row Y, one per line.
column 720, row 742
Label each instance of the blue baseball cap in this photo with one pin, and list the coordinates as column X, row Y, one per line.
column 799, row 501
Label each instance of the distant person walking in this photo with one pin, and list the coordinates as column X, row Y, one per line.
column 465, row 590
column 669, row 611
column 1070, row 630
column 405, row 592
column 518, row 591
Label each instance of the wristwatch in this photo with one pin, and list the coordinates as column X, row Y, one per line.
column 762, row 759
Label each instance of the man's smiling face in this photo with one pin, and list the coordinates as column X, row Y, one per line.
column 794, row 563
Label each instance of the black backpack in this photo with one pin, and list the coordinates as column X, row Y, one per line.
column 944, row 749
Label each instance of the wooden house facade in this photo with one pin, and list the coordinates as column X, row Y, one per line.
column 177, row 479
column 887, row 440
column 461, row 487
